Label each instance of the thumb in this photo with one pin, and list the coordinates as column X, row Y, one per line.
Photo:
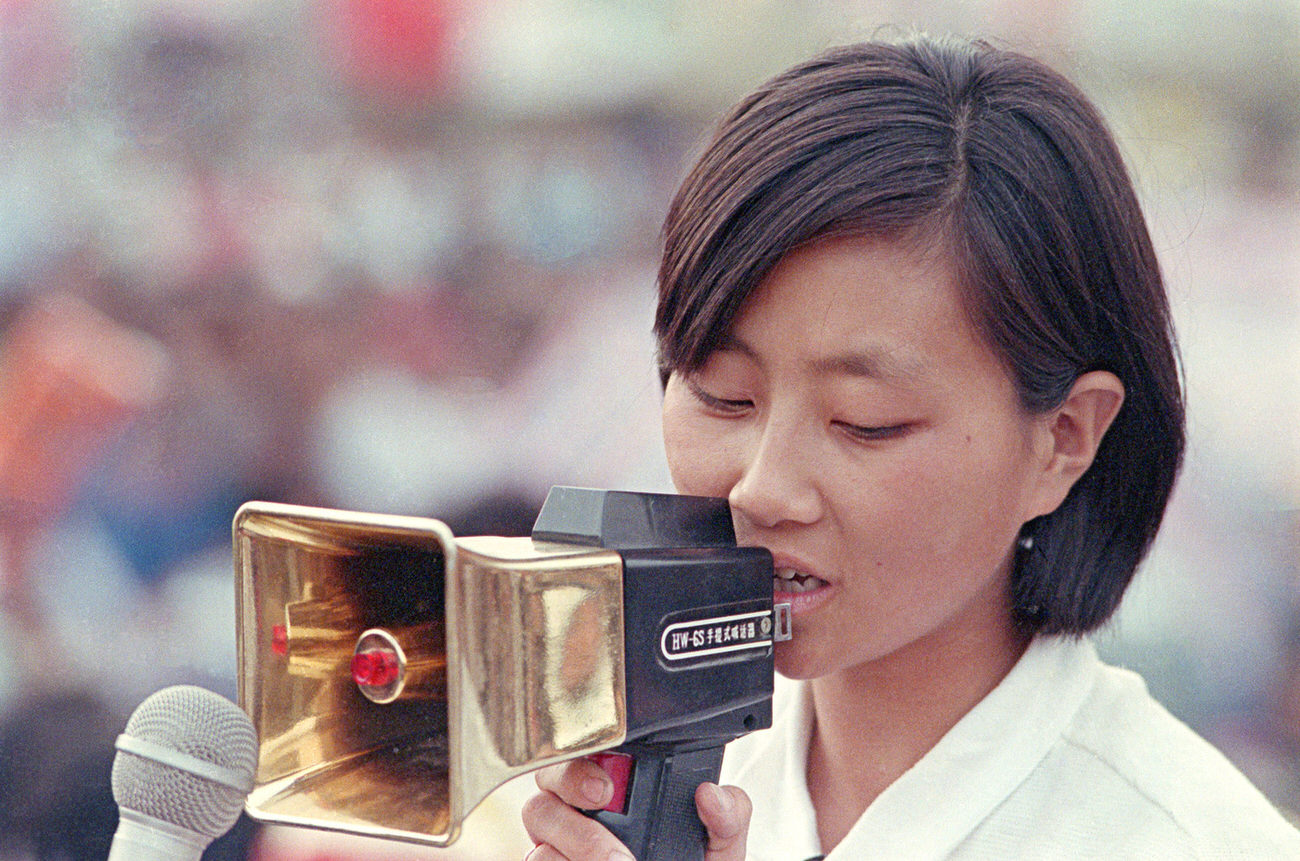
column 725, row 812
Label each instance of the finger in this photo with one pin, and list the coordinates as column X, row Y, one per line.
column 579, row 782
column 725, row 812
column 567, row 832
column 542, row 852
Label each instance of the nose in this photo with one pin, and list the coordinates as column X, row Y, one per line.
column 779, row 482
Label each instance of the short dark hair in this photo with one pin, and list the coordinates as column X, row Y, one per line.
column 1000, row 160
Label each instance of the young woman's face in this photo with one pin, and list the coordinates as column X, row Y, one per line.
column 867, row 436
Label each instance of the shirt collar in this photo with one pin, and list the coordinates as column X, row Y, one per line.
column 940, row 801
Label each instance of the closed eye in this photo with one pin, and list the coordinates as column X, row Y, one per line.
column 722, row 405
column 867, row 433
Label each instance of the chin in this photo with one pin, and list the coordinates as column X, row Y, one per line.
column 806, row 659
column 795, row 663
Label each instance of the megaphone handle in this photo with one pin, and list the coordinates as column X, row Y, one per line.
column 657, row 819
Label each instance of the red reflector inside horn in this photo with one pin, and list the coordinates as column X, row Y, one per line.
column 377, row 668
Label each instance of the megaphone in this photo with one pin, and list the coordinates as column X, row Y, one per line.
column 396, row 673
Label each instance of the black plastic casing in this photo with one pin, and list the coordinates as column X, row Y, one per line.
column 698, row 648
column 723, row 687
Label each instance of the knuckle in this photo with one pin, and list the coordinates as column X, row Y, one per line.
column 557, row 779
column 569, row 781
column 539, row 813
column 546, row 778
column 543, row 852
column 562, row 829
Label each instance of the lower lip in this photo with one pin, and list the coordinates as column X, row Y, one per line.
column 802, row 602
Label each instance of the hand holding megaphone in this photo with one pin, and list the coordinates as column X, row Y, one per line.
column 561, row 832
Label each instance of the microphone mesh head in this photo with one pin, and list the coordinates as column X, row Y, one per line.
column 204, row 725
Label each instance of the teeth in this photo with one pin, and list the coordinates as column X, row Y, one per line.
column 790, row 580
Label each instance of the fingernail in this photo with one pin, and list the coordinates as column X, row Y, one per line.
column 598, row 791
column 721, row 800
column 621, row 855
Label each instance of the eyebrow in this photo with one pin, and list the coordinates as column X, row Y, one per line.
column 870, row 364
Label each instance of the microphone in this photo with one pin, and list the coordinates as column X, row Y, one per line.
column 184, row 766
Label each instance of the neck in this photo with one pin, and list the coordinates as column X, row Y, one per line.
column 874, row 721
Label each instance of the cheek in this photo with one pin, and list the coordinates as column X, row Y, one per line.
column 697, row 459
column 958, row 503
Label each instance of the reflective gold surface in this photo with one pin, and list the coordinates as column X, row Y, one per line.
column 515, row 652
column 539, row 642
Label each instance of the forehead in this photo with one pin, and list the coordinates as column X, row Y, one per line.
column 859, row 306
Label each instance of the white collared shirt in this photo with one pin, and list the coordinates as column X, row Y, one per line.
column 1066, row 758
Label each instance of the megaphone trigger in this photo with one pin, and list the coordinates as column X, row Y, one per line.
column 619, row 768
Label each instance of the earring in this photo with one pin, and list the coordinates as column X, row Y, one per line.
column 1028, row 581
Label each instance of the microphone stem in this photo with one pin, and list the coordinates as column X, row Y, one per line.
column 145, row 838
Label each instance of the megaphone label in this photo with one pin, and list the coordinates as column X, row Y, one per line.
column 716, row 635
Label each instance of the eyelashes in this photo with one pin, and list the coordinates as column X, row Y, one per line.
column 874, row 434
column 740, row 406
column 722, row 405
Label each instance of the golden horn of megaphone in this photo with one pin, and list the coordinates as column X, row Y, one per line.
column 397, row 674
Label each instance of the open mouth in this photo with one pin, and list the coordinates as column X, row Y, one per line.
column 788, row 580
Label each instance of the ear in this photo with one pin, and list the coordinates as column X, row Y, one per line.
column 1071, row 434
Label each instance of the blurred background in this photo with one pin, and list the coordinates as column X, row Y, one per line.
column 398, row 255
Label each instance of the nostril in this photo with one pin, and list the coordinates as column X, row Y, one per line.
column 777, row 482
column 770, row 499
column 765, row 505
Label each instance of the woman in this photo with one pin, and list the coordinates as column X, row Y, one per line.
column 913, row 327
